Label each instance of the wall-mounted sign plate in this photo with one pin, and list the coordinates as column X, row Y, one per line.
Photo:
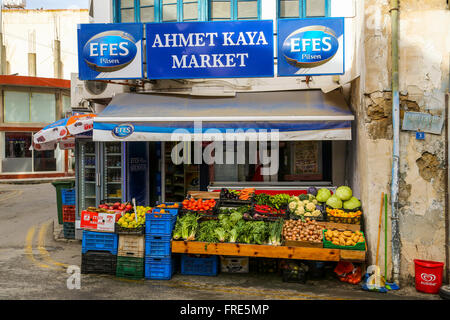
column 425, row 122
column 110, row 51
column 218, row 49
column 313, row 46
column 420, row 135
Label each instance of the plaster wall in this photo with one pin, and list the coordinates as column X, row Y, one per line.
column 424, row 49
column 48, row 25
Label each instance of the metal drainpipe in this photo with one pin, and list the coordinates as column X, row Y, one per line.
column 1, row 40
column 396, row 141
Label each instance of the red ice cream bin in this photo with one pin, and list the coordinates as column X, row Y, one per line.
column 428, row 275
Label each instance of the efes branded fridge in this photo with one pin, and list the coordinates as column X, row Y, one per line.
column 99, row 173
column 112, row 171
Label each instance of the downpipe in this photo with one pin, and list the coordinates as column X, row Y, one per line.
column 396, row 141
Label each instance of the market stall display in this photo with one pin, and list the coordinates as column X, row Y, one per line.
column 277, row 226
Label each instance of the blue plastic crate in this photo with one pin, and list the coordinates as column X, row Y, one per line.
column 99, row 241
column 172, row 211
column 159, row 224
column 159, row 268
column 200, row 266
column 68, row 197
column 157, row 246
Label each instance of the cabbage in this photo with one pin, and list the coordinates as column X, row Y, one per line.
column 312, row 190
column 344, row 193
column 334, row 202
column 323, row 195
column 351, row 204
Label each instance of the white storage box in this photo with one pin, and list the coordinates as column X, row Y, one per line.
column 232, row 264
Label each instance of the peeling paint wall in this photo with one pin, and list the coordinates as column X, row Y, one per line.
column 424, row 50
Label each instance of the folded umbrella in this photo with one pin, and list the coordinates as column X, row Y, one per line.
column 65, row 127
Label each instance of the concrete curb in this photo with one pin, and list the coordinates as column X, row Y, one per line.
column 58, row 232
column 35, row 180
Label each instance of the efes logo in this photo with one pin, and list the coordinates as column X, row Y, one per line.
column 110, row 51
column 122, row 131
column 310, row 46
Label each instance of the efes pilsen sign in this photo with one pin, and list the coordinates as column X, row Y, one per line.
column 110, row 51
column 311, row 46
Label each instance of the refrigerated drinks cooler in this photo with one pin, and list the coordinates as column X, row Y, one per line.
column 99, row 173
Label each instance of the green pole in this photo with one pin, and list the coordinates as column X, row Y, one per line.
column 385, row 235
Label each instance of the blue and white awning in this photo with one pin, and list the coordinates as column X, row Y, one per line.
column 292, row 115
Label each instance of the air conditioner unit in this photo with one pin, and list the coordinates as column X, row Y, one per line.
column 97, row 91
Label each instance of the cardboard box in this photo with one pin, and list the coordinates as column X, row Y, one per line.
column 98, row 221
column 106, row 221
column 88, row 220
column 232, row 264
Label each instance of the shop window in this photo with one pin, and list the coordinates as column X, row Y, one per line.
column 157, row 10
column 44, row 160
column 17, row 144
column 234, row 10
column 298, row 161
column 43, row 106
column 66, row 107
column 29, row 107
column 303, row 8
column 19, row 157
column 17, row 106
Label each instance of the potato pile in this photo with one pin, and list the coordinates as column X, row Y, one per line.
column 296, row 230
column 344, row 238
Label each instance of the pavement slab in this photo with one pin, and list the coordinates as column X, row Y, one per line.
column 34, row 263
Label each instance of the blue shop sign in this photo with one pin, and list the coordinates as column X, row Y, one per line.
column 110, row 51
column 228, row 49
column 313, row 46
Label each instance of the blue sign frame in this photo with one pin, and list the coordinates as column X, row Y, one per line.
column 289, row 63
column 218, row 49
column 109, row 51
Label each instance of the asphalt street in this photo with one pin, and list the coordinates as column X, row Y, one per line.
column 34, row 266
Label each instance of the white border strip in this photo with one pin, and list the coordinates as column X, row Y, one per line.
column 332, row 134
column 230, row 119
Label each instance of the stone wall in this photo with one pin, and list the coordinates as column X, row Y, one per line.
column 424, row 69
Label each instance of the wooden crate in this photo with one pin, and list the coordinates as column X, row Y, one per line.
column 131, row 246
column 305, row 244
column 343, row 226
column 204, row 194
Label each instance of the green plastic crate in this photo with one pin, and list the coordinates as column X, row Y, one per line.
column 130, row 268
column 360, row 246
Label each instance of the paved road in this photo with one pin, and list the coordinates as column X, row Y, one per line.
column 34, row 266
